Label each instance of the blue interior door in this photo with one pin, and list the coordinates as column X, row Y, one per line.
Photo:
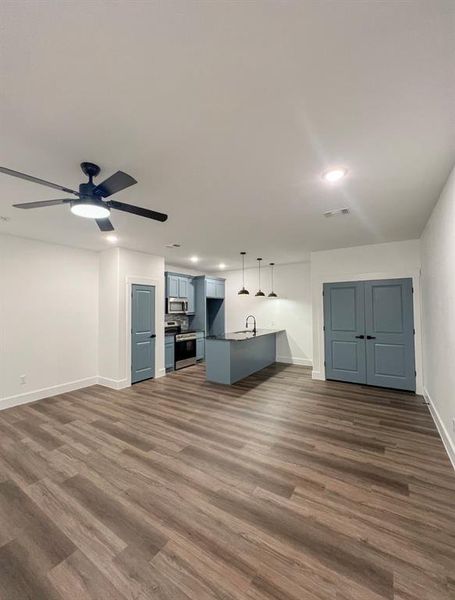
column 344, row 328
column 142, row 333
column 389, row 328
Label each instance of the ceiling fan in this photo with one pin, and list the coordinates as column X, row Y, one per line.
column 90, row 201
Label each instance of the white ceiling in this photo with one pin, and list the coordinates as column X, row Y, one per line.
column 226, row 113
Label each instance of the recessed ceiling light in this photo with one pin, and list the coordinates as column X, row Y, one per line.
column 111, row 238
column 194, row 259
column 222, row 266
column 333, row 175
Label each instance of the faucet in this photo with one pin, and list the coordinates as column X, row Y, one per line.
column 254, row 320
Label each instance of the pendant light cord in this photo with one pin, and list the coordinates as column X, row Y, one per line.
column 243, row 271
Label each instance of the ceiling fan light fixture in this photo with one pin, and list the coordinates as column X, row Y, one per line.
column 90, row 210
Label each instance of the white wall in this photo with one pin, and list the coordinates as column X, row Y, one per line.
column 65, row 317
column 376, row 261
column 147, row 269
column 109, row 317
column 119, row 269
column 290, row 311
column 48, row 319
column 438, row 315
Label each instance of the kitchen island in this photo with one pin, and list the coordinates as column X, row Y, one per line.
column 234, row 356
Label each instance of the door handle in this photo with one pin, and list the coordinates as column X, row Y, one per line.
column 153, row 335
column 360, row 337
column 371, row 337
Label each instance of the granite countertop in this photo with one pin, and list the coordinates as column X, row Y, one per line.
column 240, row 336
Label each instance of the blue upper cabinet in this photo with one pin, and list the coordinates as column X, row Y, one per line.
column 178, row 286
column 219, row 288
column 183, row 287
column 210, row 288
column 191, row 299
column 172, row 285
column 214, row 288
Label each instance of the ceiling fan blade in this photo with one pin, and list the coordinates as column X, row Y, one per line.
column 137, row 210
column 113, row 184
column 42, row 203
column 36, row 180
column 104, row 225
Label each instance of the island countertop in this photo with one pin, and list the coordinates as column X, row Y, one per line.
column 233, row 356
column 240, row 336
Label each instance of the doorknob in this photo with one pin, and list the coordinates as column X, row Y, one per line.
column 371, row 337
column 360, row 337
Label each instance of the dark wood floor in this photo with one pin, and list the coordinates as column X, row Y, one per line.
column 277, row 488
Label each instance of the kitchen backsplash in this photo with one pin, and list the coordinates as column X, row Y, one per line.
column 182, row 320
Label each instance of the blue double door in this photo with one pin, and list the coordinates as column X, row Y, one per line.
column 369, row 332
column 143, row 336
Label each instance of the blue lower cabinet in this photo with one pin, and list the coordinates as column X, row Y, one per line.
column 169, row 354
column 200, row 347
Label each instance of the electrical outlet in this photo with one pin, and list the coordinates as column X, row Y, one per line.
column 23, row 379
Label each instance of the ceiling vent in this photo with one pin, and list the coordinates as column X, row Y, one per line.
column 337, row 212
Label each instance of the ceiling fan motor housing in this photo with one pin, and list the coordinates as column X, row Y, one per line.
column 90, row 169
column 86, row 191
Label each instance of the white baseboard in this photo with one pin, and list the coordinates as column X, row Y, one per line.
column 113, row 384
column 54, row 390
column 449, row 444
column 294, row 360
column 318, row 375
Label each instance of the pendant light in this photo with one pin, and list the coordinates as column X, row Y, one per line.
column 259, row 292
column 272, row 293
column 243, row 291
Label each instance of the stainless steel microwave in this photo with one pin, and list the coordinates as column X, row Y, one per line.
column 176, row 306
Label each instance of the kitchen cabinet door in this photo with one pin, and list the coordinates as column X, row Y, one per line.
column 173, row 286
column 219, row 287
column 200, row 347
column 169, row 354
column 211, row 288
column 183, row 287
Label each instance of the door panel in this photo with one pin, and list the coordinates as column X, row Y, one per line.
column 219, row 289
column 211, row 288
column 344, row 321
column 389, row 323
column 183, row 287
column 173, row 286
column 142, row 333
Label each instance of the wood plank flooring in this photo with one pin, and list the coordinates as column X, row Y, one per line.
column 276, row 488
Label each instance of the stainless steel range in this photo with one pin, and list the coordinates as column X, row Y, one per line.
column 185, row 350
column 184, row 344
